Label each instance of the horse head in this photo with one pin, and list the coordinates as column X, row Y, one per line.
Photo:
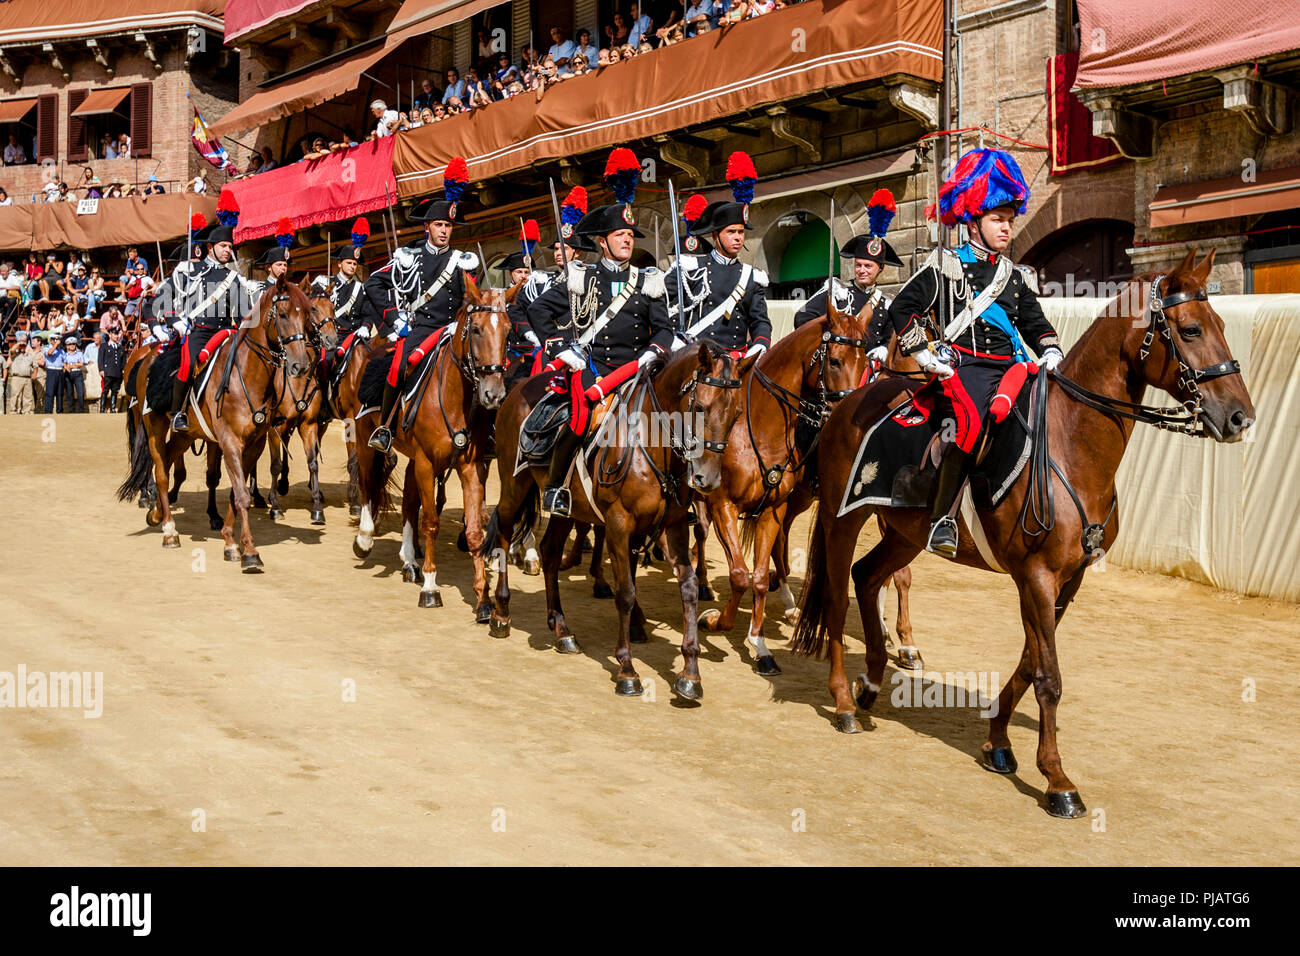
column 839, row 364
column 284, row 310
column 482, row 329
column 707, row 379
column 1179, row 346
column 321, row 320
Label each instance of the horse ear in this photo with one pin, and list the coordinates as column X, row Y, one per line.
column 706, row 359
column 1186, row 264
column 834, row 317
column 745, row 364
column 514, row 291
column 1202, row 271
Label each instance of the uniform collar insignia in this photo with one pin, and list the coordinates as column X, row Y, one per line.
column 719, row 257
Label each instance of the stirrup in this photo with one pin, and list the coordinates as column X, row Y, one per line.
column 180, row 423
column 556, row 501
column 943, row 537
column 381, row 439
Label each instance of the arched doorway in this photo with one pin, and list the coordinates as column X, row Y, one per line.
column 799, row 253
column 1078, row 258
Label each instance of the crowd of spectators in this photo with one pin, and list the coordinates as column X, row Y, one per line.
column 90, row 186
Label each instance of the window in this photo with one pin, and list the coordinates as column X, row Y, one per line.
column 98, row 119
column 18, row 129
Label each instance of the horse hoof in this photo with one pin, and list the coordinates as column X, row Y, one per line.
column 498, row 628
column 275, row 513
column 410, row 574
column 1067, row 805
column 231, row 553
column 171, row 541
column 259, row 501
column 628, row 687
column 215, row 524
column 462, row 543
column 709, row 619
column 863, row 694
column 533, row 567
column 847, row 724
column 791, row 616
column 354, row 511
column 569, row 645
column 637, row 635
column 250, row 564
column 358, row 550
column 602, row 591
column 689, row 689
column 318, row 516
column 909, row 658
column 173, row 495
column 767, row 666
column 282, row 486
column 430, row 599
column 483, row 614
column 1000, row 760
column 706, row 594
column 152, row 520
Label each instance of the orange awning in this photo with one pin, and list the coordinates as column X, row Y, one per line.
column 301, row 93
column 11, row 111
column 425, row 16
column 1226, row 198
column 102, row 101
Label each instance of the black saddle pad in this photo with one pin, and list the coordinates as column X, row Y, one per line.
column 158, row 390
column 371, row 390
column 892, row 468
column 540, row 429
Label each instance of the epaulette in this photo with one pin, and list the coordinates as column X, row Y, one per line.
column 760, row 277
column 468, row 261
column 1030, row 276
column 689, row 262
column 652, row 283
column 577, row 278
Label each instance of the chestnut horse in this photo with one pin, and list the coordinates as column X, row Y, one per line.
column 273, row 334
column 451, row 428
column 1092, row 404
column 639, row 489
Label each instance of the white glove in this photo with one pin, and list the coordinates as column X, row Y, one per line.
column 879, row 354
column 679, row 343
column 926, row 359
column 648, row 357
column 392, row 336
column 1050, row 359
column 363, row 332
column 160, row 332
column 758, row 348
column 572, row 359
column 180, row 325
column 531, row 338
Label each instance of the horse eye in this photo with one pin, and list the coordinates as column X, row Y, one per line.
column 836, row 363
column 1190, row 331
column 477, row 330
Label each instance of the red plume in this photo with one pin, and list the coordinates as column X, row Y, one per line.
column 882, row 198
column 620, row 161
column 361, row 227
column 227, row 201
column 694, row 206
column 283, row 226
column 457, row 170
column 531, row 232
column 577, row 198
column 198, row 221
column 740, row 166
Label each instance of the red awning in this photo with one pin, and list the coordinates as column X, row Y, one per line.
column 1225, row 198
column 243, row 16
column 430, row 15
column 339, row 186
column 102, row 101
column 11, row 111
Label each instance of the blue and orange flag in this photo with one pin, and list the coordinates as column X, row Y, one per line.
column 209, row 146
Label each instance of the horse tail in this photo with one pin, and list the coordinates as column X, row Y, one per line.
column 748, row 529
column 809, row 638
column 380, row 481
column 141, row 469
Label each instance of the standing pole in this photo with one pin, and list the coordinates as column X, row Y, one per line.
column 555, row 210
column 942, row 155
column 677, row 258
column 830, row 255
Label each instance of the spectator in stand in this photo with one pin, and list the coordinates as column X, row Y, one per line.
column 11, row 283
column 95, row 292
column 153, row 187
column 485, row 52
column 254, row 165
column 528, row 61
column 67, row 322
column 33, row 271
column 112, row 363
column 603, row 58
column 54, row 287
column 439, row 113
column 578, row 66
column 702, row 11
column 506, row 72
column 626, row 51
column 124, row 147
column 641, row 26
column 14, row 155
column 111, row 320
column 137, row 290
column 268, row 161
column 561, row 51
column 759, row 7
column 198, row 185
column 455, row 106
column 583, row 46
column 107, row 147
column 133, row 259
column 386, row 120
column 737, row 11
column 427, row 95
column 4, row 198
column 77, row 283
column 92, row 350
column 473, row 87
column 616, row 33
column 114, row 190
column 455, row 89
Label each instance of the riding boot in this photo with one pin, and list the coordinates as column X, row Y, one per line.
column 180, row 391
column 555, row 496
column 381, row 439
column 947, row 486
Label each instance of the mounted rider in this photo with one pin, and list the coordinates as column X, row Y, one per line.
column 183, row 259
column 870, row 254
column 991, row 311
column 346, row 288
column 276, row 259
column 572, row 210
column 606, row 322
column 419, row 292
column 204, row 298
column 723, row 298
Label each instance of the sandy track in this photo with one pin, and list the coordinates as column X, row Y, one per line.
column 224, row 693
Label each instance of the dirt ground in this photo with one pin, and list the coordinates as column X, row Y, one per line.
column 226, row 737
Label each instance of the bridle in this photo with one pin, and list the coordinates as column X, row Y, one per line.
column 272, row 356
column 1185, row 419
column 469, row 370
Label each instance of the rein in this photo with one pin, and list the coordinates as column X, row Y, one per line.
column 469, row 371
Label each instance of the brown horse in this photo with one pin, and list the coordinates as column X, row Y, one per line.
column 796, row 382
column 450, row 428
column 236, row 421
column 1091, row 407
column 636, row 490
column 346, row 399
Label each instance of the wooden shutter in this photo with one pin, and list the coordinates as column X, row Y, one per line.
column 141, row 119
column 76, row 127
column 47, row 126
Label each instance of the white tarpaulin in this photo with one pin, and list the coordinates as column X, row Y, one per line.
column 1224, row 515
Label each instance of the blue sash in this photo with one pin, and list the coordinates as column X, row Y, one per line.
column 995, row 315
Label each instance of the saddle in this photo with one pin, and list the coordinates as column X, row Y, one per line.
column 551, row 412
column 897, row 459
column 371, row 390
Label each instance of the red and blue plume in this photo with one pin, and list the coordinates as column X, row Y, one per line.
column 284, row 232
column 622, row 171
column 983, row 179
column 455, row 178
column 197, row 222
column 530, row 236
column 742, row 175
column 575, row 206
column 360, row 231
column 227, row 209
column 880, row 213
column 693, row 208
